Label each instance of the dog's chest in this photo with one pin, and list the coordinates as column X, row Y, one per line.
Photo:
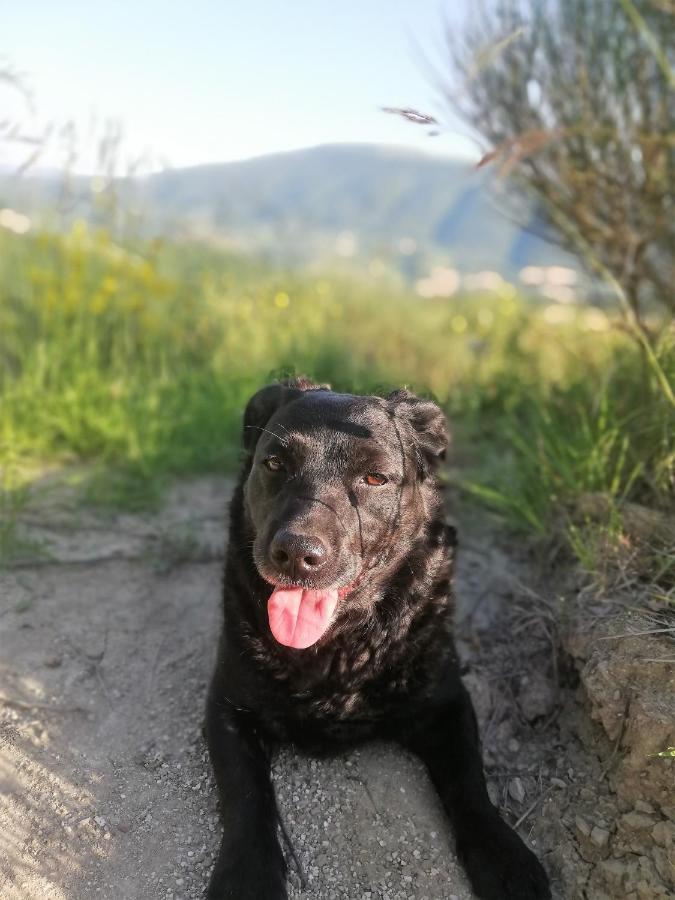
column 332, row 681
column 349, row 688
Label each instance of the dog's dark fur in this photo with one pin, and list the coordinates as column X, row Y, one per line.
column 387, row 665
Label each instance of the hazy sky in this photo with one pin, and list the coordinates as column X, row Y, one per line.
column 205, row 81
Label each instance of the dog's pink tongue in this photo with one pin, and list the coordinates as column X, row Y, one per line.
column 299, row 617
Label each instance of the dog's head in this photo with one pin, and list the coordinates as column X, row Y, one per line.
column 338, row 487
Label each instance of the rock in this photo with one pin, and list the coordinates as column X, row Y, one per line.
column 493, row 793
column 481, row 695
column 614, row 872
column 502, row 733
column 582, row 826
column 665, row 865
column 593, row 839
column 640, row 523
column 53, row 662
column 536, row 696
column 635, row 821
column 599, row 836
column 647, row 891
column 634, row 703
column 644, row 807
column 516, row 790
column 663, row 834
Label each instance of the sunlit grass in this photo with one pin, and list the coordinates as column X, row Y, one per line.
column 610, row 432
column 141, row 360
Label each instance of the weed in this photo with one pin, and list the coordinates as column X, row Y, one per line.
column 14, row 497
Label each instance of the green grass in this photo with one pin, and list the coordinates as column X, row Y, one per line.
column 14, row 497
column 140, row 361
column 612, row 434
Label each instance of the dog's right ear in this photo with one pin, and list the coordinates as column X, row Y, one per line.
column 428, row 424
column 262, row 405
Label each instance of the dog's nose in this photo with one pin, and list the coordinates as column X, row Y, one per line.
column 297, row 555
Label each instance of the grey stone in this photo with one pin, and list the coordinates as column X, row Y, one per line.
column 582, row 826
column 536, row 696
column 599, row 836
column 517, row 790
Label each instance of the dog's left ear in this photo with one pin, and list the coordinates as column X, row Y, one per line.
column 428, row 424
column 262, row 405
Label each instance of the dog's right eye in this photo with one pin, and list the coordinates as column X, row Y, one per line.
column 274, row 464
column 374, row 479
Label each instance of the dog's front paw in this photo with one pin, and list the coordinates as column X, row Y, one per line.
column 247, row 876
column 499, row 865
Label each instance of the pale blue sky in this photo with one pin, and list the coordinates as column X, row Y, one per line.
column 206, row 81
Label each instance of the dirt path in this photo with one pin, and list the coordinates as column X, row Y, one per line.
column 106, row 792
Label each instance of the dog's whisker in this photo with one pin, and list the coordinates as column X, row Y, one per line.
column 282, row 440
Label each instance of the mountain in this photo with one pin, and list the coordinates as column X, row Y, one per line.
column 355, row 202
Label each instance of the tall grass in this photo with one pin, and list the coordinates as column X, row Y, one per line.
column 609, row 431
column 141, row 360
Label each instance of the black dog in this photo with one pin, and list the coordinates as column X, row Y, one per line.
column 338, row 626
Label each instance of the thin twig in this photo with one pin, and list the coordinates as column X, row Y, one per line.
column 291, row 850
column 153, row 668
column 615, row 637
column 364, row 785
column 533, row 806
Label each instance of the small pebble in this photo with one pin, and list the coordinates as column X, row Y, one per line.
column 517, row 790
column 599, row 836
column 582, row 826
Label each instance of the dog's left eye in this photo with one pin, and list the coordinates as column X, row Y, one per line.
column 273, row 463
column 374, row 479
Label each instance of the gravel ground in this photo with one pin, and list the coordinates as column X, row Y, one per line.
column 105, row 786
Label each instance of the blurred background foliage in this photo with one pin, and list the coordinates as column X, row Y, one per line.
column 144, row 358
column 577, row 99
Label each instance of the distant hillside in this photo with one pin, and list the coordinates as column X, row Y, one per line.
column 358, row 202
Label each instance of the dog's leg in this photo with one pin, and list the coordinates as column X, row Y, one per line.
column 250, row 864
column 499, row 865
